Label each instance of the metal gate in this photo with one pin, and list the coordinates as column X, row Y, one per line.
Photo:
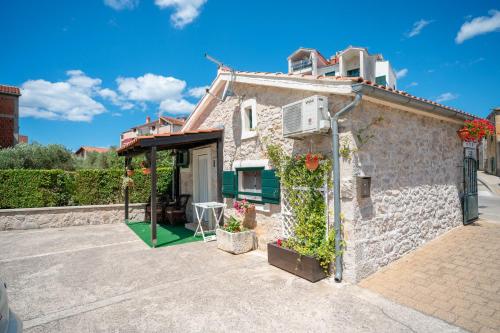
column 470, row 203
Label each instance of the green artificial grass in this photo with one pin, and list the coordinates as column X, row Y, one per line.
column 166, row 235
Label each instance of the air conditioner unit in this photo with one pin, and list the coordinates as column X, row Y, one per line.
column 307, row 116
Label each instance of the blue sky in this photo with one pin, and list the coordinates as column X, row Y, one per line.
column 91, row 69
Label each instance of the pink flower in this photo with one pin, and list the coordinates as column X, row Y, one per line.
column 278, row 242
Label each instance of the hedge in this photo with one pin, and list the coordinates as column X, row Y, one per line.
column 20, row 188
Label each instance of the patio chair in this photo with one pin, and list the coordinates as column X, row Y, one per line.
column 176, row 214
column 163, row 201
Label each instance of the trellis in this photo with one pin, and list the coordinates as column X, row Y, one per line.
column 288, row 219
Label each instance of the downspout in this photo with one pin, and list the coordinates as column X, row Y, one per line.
column 336, row 180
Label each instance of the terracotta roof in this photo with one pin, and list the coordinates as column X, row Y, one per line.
column 353, row 80
column 90, row 149
column 175, row 121
column 10, row 90
column 138, row 139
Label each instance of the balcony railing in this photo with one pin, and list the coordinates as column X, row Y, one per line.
column 301, row 64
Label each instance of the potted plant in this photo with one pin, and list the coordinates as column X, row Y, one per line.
column 282, row 255
column 475, row 130
column 247, row 210
column 312, row 161
column 146, row 170
column 310, row 250
column 234, row 238
column 127, row 183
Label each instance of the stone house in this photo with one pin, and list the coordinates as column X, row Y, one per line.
column 158, row 126
column 407, row 145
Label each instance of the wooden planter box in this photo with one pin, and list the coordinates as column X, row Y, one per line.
column 304, row 266
column 237, row 242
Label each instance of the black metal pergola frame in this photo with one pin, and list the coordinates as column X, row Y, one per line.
column 180, row 140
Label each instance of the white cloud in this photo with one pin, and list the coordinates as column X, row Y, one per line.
column 401, row 73
column 478, row 26
column 121, row 4
column 417, row 28
column 198, row 92
column 412, row 84
column 176, row 106
column 185, row 11
column 114, row 98
column 151, row 87
column 448, row 96
column 66, row 100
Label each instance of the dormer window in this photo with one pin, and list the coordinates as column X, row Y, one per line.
column 248, row 118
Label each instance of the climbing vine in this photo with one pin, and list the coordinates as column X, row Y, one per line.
column 307, row 204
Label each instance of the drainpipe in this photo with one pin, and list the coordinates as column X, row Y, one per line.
column 336, row 180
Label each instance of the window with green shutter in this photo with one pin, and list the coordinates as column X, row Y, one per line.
column 253, row 184
column 228, row 184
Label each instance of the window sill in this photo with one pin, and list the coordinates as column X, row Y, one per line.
column 248, row 135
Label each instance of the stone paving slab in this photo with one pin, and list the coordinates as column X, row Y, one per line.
column 87, row 279
column 455, row 277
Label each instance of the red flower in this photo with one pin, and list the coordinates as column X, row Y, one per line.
column 278, row 242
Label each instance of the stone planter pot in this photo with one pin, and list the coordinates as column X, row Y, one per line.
column 304, row 266
column 236, row 242
column 249, row 219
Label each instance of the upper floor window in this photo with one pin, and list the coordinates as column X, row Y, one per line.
column 248, row 118
column 380, row 80
column 353, row 72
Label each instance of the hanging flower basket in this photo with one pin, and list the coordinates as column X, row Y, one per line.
column 146, row 170
column 312, row 161
column 475, row 130
column 130, row 172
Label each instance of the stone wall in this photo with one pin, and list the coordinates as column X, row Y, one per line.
column 414, row 161
column 269, row 129
column 56, row 217
column 415, row 165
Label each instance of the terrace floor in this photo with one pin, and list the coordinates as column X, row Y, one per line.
column 104, row 279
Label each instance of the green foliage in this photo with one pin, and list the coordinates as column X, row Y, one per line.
column 47, row 188
column 35, row 188
column 232, row 225
column 307, row 204
column 36, row 156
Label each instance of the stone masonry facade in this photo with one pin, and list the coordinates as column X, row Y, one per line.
column 57, row 217
column 414, row 161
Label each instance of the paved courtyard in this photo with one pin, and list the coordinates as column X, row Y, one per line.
column 103, row 279
column 455, row 277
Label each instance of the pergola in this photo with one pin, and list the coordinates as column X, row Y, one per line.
column 169, row 141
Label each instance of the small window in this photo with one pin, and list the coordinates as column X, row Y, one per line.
column 250, row 184
column 353, row 72
column 381, row 80
column 330, row 73
column 248, row 118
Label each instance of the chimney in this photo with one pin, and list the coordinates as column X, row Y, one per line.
column 148, row 119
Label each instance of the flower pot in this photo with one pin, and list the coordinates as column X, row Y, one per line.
column 146, row 171
column 249, row 221
column 130, row 173
column 289, row 260
column 236, row 242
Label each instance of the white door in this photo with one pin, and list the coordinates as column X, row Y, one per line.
column 201, row 178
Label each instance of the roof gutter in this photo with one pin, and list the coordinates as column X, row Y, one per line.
column 334, row 121
column 389, row 96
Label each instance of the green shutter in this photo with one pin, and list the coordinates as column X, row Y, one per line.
column 270, row 187
column 228, row 184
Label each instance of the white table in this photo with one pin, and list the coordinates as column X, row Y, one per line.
column 200, row 208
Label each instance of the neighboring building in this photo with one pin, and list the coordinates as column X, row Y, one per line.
column 9, row 116
column 159, row 126
column 23, row 138
column 492, row 145
column 351, row 62
column 83, row 150
column 411, row 158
